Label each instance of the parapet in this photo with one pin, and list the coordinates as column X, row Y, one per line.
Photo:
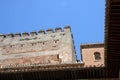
column 10, row 35
column 17, row 35
column 58, row 29
column 2, row 35
column 67, row 29
column 49, row 31
column 25, row 34
column 33, row 33
column 92, row 45
column 41, row 32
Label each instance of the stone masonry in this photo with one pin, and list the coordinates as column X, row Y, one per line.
column 50, row 47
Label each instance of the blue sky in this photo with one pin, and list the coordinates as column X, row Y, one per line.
column 86, row 18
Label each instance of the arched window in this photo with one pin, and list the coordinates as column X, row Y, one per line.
column 97, row 56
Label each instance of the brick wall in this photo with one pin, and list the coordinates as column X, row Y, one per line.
column 88, row 56
column 48, row 59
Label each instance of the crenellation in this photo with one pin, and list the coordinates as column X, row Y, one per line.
column 48, row 31
column 10, row 35
column 2, row 36
column 33, row 33
column 25, row 34
column 41, row 32
column 38, row 43
column 58, row 29
column 17, row 35
column 67, row 29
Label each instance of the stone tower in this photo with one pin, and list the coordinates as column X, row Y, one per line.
column 93, row 54
column 50, row 47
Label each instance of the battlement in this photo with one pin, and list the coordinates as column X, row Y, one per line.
column 67, row 29
column 42, row 47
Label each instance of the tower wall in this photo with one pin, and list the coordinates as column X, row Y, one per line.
column 89, row 56
column 50, row 47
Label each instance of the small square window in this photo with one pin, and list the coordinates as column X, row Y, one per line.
column 97, row 56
